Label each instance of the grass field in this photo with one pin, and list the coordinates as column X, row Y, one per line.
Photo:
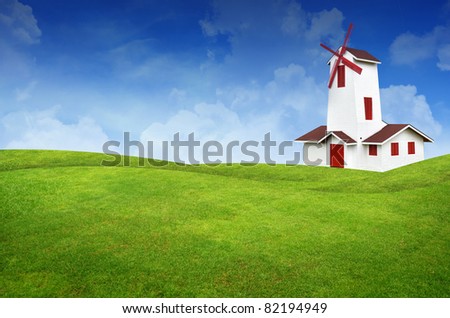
column 73, row 228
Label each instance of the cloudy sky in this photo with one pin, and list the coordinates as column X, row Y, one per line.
column 75, row 74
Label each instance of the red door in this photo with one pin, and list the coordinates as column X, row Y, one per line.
column 336, row 156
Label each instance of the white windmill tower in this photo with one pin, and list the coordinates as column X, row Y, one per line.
column 354, row 98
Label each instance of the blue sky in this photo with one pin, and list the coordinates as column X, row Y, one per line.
column 78, row 73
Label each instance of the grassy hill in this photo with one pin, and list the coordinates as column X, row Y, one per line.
column 73, row 228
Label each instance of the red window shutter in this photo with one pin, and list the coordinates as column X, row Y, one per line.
column 341, row 76
column 411, row 148
column 372, row 150
column 368, row 108
column 394, row 149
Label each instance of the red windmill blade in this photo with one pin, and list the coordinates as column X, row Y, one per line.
column 341, row 58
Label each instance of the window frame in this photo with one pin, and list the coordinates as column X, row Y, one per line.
column 411, row 148
column 395, row 149
column 341, row 76
column 368, row 108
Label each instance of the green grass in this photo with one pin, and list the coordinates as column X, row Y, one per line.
column 73, row 228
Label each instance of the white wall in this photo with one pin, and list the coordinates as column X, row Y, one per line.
column 366, row 85
column 390, row 162
column 357, row 156
column 341, row 108
column 346, row 104
column 366, row 162
column 353, row 157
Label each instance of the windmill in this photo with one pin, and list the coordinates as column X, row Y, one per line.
column 355, row 135
column 341, row 58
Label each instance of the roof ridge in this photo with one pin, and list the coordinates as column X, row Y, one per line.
column 362, row 54
column 391, row 130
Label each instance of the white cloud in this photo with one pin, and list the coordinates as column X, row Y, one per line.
column 18, row 29
column 177, row 96
column 208, row 28
column 207, row 121
column 408, row 48
column 284, row 106
column 327, row 23
column 240, row 97
column 43, row 130
column 25, row 93
column 18, row 23
column 292, row 87
column 139, row 60
column 294, row 22
column 261, row 36
column 441, row 146
column 444, row 58
column 284, row 16
column 218, row 123
column 402, row 105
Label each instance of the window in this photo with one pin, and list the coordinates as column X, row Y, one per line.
column 372, row 150
column 394, row 149
column 411, row 148
column 368, row 107
column 341, row 76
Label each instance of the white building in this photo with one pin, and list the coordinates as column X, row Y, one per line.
column 356, row 135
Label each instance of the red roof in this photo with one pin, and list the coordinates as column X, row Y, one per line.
column 385, row 133
column 390, row 130
column 321, row 133
column 344, row 137
column 361, row 54
column 314, row 135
